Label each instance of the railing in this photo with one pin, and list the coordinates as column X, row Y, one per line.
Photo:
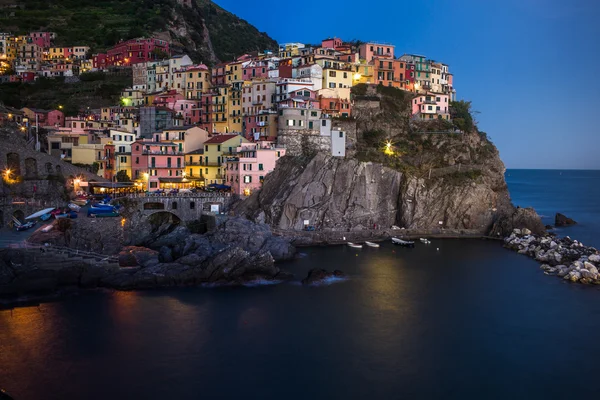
column 163, row 153
column 199, row 195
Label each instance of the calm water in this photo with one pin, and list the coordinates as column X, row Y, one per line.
column 471, row 320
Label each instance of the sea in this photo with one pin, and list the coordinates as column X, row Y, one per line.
column 454, row 319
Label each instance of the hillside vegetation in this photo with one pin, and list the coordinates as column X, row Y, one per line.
column 387, row 135
column 95, row 90
column 206, row 31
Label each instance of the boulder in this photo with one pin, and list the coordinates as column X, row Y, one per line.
column 317, row 276
column 521, row 218
column 595, row 258
column 563, row 220
column 133, row 256
column 574, row 276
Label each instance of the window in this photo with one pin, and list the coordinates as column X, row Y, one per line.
column 153, row 185
column 247, row 179
column 290, row 122
column 331, row 85
column 310, row 125
column 341, row 134
column 332, row 74
column 137, row 160
column 313, row 114
column 174, row 206
column 323, row 122
column 192, row 205
column 430, row 107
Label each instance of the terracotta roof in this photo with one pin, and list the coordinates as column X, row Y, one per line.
column 220, row 139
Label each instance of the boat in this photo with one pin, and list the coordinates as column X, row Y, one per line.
column 103, row 214
column 46, row 217
column 80, row 202
column 25, row 226
column 102, row 205
column 405, row 243
column 354, row 245
column 371, row 244
column 424, row 240
column 42, row 214
column 74, row 207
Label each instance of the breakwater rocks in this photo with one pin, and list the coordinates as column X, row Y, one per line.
column 563, row 257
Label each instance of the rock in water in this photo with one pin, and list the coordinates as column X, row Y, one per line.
column 318, row 275
column 563, row 220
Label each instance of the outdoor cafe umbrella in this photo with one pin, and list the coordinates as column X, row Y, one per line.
column 40, row 213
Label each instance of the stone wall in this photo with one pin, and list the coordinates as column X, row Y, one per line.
column 302, row 142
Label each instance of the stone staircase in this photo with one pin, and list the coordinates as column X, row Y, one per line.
column 55, row 258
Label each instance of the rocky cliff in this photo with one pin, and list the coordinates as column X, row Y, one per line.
column 424, row 179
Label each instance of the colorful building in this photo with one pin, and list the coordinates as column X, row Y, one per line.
column 246, row 169
column 216, row 150
column 431, row 106
column 157, row 165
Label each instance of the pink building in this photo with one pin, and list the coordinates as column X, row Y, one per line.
column 55, row 118
column 136, row 51
column 368, row 51
column 256, row 69
column 99, row 61
column 431, row 106
column 245, row 173
column 42, row 39
column 161, row 161
column 332, row 43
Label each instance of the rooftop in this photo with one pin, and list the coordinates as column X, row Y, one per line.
column 220, row 139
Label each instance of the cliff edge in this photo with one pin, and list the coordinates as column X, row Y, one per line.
column 425, row 176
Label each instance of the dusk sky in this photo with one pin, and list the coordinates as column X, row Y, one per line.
column 528, row 66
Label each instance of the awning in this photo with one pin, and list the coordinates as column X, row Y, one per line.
column 112, row 185
column 174, row 180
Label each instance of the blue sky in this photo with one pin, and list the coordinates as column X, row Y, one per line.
column 528, row 66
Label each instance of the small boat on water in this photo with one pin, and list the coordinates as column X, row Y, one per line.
column 354, row 245
column 371, row 244
column 405, row 243
column 424, row 240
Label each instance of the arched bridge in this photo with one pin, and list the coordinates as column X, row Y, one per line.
column 187, row 207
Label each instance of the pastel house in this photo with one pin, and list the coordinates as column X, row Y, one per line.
column 245, row 171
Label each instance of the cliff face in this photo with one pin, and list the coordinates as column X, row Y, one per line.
column 428, row 180
column 346, row 195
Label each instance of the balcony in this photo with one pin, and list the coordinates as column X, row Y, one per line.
column 165, row 167
column 194, row 164
column 163, row 153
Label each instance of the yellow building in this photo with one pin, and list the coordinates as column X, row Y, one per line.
column 216, row 150
column 235, row 74
column 123, row 163
column 220, row 102
column 363, row 73
column 197, row 82
column 338, row 78
column 194, row 167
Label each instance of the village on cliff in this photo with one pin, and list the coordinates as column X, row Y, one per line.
column 182, row 125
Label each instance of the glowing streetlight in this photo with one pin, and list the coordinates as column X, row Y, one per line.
column 357, row 77
column 388, row 148
column 60, row 107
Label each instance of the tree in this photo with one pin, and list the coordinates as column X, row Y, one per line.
column 122, row 176
column 462, row 115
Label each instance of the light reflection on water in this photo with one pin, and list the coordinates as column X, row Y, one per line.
column 469, row 318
